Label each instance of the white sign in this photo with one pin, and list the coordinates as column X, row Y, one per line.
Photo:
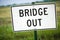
column 34, row 17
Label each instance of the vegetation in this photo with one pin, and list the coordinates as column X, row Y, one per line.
column 7, row 33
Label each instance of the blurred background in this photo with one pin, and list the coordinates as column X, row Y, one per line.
column 6, row 28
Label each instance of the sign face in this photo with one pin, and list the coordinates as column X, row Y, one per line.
column 34, row 17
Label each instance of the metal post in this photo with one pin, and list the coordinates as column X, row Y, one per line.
column 35, row 31
column 35, row 34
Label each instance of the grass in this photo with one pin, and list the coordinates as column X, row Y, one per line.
column 5, row 12
column 7, row 33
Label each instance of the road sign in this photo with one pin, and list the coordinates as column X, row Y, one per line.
column 34, row 17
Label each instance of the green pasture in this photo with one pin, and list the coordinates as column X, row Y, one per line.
column 7, row 33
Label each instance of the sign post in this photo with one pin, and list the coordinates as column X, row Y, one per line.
column 35, row 31
column 35, row 34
